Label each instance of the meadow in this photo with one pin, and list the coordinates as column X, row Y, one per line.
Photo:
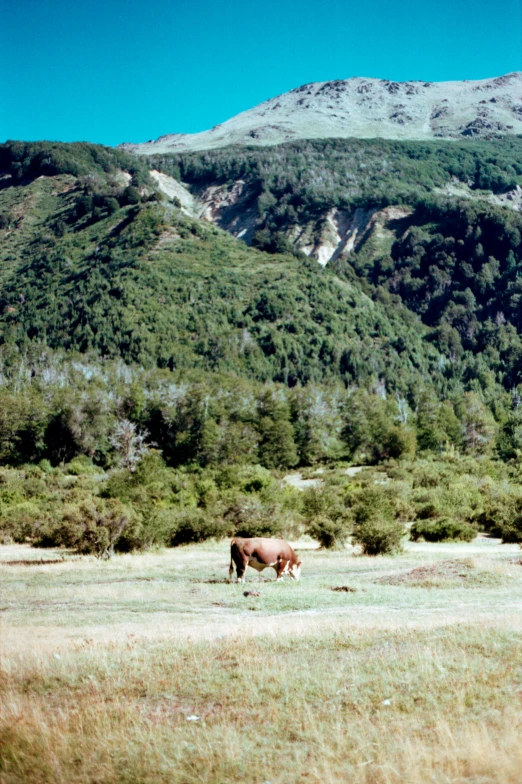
column 158, row 379
column 152, row 668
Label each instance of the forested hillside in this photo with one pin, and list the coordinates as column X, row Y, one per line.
column 154, row 369
column 298, row 180
column 91, row 264
column 96, row 260
column 453, row 255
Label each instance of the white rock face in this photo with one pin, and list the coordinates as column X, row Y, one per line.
column 366, row 108
column 175, row 190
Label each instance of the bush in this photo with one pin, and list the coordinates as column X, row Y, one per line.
column 154, row 529
column 249, row 516
column 81, row 465
column 330, row 533
column 45, row 466
column 17, row 523
column 512, row 528
column 196, row 525
column 427, row 475
column 428, row 511
column 442, row 530
column 375, row 528
column 92, row 528
column 378, row 535
column 326, row 517
column 502, row 516
column 404, row 510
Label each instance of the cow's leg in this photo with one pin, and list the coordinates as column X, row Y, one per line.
column 241, row 565
column 241, row 570
column 281, row 568
column 238, row 558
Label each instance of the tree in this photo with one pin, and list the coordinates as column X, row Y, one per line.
column 276, row 435
column 317, row 423
column 277, row 446
column 130, row 195
column 437, row 424
column 130, row 444
column 478, row 425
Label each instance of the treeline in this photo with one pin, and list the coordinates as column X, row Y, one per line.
column 95, row 263
column 54, row 408
column 294, row 182
column 28, row 160
column 144, row 283
column 456, row 262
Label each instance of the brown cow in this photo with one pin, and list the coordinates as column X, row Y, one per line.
column 260, row 553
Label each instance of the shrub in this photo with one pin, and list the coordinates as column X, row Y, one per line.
column 196, row 525
column 153, row 529
column 442, row 530
column 502, row 516
column 404, row 510
column 330, row 533
column 496, row 514
column 378, row 535
column 427, row 475
column 375, row 528
column 372, row 501
column 81, row 465
column 512, row 528
column 326, row 517
column 249, row 516
column 94, row 527
column 428, row 511
column 17, row 523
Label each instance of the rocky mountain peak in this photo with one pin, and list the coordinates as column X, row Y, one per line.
column 366, row 108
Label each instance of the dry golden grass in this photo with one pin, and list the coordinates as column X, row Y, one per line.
column 385, row 684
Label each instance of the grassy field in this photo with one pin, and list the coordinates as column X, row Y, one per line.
column 151, row 668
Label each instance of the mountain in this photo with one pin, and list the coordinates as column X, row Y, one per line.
column 190, row 284
column 365, row 108
column 330, row 198
column 419, row 245
column 93, row 259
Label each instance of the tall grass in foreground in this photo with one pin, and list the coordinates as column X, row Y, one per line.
column 342, row 705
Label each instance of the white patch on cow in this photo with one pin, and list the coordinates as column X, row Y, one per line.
column 295, row 572
column 285, row 570
column 257, row 565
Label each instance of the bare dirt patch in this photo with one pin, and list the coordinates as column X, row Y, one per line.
column 344, row 589
column 449, row 573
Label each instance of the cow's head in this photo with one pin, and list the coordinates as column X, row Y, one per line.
column 295, row 570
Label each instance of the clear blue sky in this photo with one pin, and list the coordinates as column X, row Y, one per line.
column 112, row 70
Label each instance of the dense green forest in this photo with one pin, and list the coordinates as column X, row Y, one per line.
column 154, row 370
column 90, row 264
column 59, row 406
column 455, row 260
column 101, row 262
column 296, row 181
